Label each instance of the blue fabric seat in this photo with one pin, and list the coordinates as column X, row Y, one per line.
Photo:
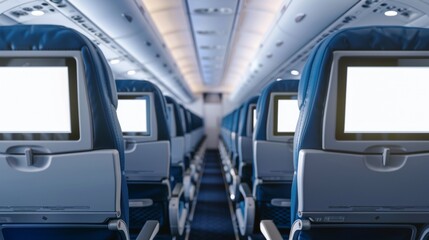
column 177, row 135
column 313, row 133
column 148, row 164
column 55, row 190
column 272, row 164
column 245, row 144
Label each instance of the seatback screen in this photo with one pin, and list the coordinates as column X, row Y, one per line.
column 382, row 99
column 38, row 99
column 286, row 113
column 133, row 116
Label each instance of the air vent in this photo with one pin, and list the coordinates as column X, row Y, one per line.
column 213, row 11
column 210, row 32
column 211, row 47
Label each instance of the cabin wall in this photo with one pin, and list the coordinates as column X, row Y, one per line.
column 212, row 118
column 196, row 106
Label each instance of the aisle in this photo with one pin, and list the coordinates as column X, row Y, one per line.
column 212, row 218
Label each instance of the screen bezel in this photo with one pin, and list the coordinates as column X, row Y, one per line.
column 329, row 124
column 148, row 115
column 276, row 100
column 40, row 61
column 373, row 61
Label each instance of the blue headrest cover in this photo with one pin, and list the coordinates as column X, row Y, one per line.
column 235, row 120
column 263, row 107
column 185, row 118
column 99, row 80
column 179, row 127
column 142, row 86
column 242, row 126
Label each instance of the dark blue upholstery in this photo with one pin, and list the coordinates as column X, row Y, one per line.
column 267, row 190
column 246, row 169
column 315, row 78
column 264, row 101
column 159, row 102
column 242, row 130
column 158, row 192
column 176, row 171
column 102, row 97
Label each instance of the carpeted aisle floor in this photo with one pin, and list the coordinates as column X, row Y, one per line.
column 212, row 219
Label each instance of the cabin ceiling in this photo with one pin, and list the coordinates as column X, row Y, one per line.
column 189, row 47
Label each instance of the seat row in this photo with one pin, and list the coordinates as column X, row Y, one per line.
column 257, row 151
column 85, row 156
column 354, row 165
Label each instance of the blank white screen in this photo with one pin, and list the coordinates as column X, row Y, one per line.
column 34, row 100
column 387, row 100
column 287, row 115
column 132, row 115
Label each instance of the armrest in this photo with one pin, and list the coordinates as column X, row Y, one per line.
column 245, row 211
column 177, row 211
column 245, row 190
column 235, row 182
column 149, row 230
column 189, row 188
column 178, row 190
column 298, row 226
column 269, row 230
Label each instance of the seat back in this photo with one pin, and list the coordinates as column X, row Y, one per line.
column 177, row 142
column 245, row 144
column 143, row 116
column 273, row 135
column 59, row 138
column 277, row 112
column 147, row 153
column 346, row 144
column 177, row 132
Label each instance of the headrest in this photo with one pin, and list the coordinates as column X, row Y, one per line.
column 184, row 118
column 242, row 126
column 316, row 74
column 178, row 120
column 228, row 121
column 142, row 86
column 263, row 105
column 196, row 121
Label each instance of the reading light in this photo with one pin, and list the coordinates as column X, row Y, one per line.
column 390, row 13
column 37, row 13
column 115, row 61
column 131, row 72
column 294, row 72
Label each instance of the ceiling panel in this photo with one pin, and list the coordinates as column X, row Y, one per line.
column 216, row 17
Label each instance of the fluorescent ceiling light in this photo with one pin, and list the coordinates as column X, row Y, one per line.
column 131, row 72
